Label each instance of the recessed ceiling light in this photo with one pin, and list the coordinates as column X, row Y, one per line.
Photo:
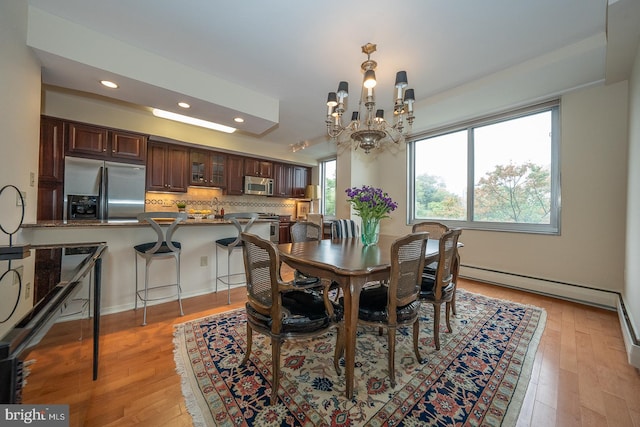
column 184, row 105
column 238, row 120
column 192, row 121
column 109, row 84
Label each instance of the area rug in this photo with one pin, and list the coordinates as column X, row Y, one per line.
column 477, row 378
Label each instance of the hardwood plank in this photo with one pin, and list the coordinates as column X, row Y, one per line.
column 580, row 374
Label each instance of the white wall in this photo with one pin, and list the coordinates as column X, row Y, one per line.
column 590, row 250
column 20, row 124
column 632, row 277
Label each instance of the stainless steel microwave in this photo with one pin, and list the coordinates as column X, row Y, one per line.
column 258, row 186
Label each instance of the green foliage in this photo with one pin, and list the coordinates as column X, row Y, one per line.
column 514, row 193
column 510, row 193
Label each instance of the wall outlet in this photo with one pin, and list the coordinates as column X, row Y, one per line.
column 204, row 261
column 27, row 291
column 32, row 179
column 19, row 200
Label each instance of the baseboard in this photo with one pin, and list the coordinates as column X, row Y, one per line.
column 569, row 291
column 631, row 341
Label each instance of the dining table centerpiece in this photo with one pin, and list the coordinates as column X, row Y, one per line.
column 371, row 205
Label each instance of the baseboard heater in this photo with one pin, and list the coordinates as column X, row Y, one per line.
column 609, row 300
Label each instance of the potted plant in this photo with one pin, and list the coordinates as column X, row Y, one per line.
column 372, row 205
column 181, row 206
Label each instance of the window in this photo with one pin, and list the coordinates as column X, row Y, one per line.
column 328, row 182
column 497, row 173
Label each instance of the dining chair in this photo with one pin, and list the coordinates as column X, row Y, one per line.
column 435, row 230
column 343, row 228
column 440, row 288
column 284, row 310
column 228, row 245
column 163, row 247
column 395, row 303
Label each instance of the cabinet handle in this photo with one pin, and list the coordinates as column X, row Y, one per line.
column 113, row 151
column 104, row 149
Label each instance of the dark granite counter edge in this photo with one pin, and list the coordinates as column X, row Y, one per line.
column 134, row 223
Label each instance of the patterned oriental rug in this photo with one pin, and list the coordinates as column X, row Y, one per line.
column 478, row 378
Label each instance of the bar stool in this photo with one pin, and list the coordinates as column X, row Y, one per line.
column 163, row 248
column 229, row 244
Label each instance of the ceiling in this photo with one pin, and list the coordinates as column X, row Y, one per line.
column 274, row 62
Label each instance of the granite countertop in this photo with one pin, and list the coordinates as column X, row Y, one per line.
column 125, row 223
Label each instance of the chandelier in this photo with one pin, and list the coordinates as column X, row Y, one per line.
column 368, row 128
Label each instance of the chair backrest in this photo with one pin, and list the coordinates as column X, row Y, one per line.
column 343, row 228
column 241, row 227
column 435, row 229
column 164, row 235
column 317, row 218
column 305, row 232
column 407, row 263
column 447, row 255
column 262, row 268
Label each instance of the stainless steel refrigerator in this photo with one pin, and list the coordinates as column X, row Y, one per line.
column 101, row 190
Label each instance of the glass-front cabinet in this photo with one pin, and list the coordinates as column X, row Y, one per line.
column 207, row 168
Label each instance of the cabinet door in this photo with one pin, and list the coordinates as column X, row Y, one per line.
column 283, row 178
column 87, row 141
column 284, row 233
column 257, row 167
column 300, row 180
column 217, row 170
column 51, row 151
column 199, row 160
column 156, row 162
column 235, row 175
column 176, row 172
column 50, row 201
column 128, row 147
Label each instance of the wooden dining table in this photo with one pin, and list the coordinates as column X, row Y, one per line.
column 351, row 264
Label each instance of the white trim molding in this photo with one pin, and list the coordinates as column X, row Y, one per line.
column 610, row 300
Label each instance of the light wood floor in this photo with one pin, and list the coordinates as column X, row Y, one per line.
column 580, row 376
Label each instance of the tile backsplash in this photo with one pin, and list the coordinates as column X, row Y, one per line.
column 207, row 198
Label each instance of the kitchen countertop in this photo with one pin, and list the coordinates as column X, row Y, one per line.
column 131, row 223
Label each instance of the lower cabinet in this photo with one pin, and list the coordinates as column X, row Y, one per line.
column 285, row 232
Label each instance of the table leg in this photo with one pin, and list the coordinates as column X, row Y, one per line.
column 351, row 290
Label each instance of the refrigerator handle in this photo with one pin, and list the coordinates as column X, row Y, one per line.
column 105, row 194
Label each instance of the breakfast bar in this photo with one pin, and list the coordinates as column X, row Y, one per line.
column 118, row 283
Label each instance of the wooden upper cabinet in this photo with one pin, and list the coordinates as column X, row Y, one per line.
column 50, row 169
column 51, row 151
column 100, row 143
column 283, row 180
column 301, row 177
column 257, row 167
column 167, row 167
column 207, row 168
column 235, row 176
column 129, row 147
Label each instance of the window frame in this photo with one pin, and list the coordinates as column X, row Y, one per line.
column 554, row 226
column 323, row 180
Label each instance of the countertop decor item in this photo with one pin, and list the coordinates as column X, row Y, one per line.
column 371, row 204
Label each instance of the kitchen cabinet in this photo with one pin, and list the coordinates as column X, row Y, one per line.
column 258, row 167
column 235, row 175
column 50, row 169
column 301, row 177
column 106, row 144
column 167, row 167
column 285, row 232
column 207, row 168
column 282, row 180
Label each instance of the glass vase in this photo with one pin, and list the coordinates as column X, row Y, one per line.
column 370, row 231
